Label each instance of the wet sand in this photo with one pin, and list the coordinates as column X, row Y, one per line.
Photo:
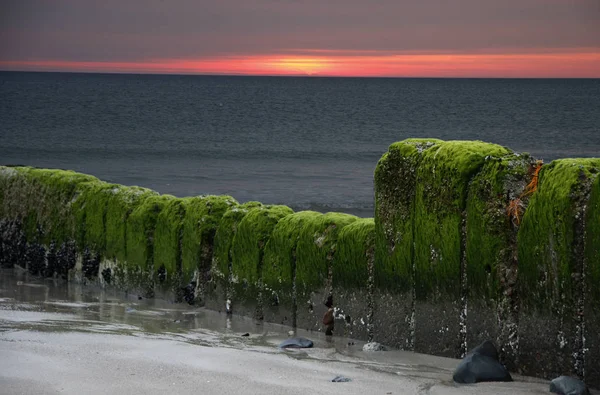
column 58, row 338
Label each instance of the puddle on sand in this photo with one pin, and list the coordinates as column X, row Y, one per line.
column 46, row 305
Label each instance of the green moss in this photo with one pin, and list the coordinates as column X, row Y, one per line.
column 440, row 197
column 90, row 212
column 548, row 233
column 167, row 239
column 252, row 235
column 317, row 243
column 279, row 263
column 491, row 241
column 41, row 198
column 395, row 184
column 225, row 234
column 141, row 225
column 355, row 246
column 592, row 245
column 121, row 202
column 202, row 218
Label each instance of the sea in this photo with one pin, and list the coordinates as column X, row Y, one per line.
column 310, row 143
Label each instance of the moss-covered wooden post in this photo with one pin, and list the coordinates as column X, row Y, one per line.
column 591, row 307
column 440, row 223
column 352, row 279
column 221, row 263
column 279, row 268
column 141, row 225
column 247, row 253
column 202, row 218
column 557, row 240
column 393, row 271
column 167, row 248
column 315, row 252
column 491, row 251
column 121, row 203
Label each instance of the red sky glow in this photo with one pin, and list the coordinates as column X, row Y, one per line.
column 350, row 38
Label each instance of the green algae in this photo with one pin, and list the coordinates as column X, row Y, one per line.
column 317, row 243
column 251, row 238
column 490, row 235
column 141, row 225
column 592, row 244
column 550, row 260
column 440, row 200
column 225, row 234
column 395, row 185
column 355, row 247
column 121, row 202
column 279, row 259
column 167, row 240
column 41, row 199
column 202, row 218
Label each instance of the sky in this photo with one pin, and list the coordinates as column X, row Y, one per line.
column 387, row 38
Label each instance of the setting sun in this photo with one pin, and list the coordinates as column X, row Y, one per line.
column 301, row 65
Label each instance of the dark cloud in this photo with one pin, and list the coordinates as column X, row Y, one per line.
column 137, row 30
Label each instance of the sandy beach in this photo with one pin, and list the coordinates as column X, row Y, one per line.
column 57, row 338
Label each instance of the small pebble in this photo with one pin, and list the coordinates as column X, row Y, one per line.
column 340, row 379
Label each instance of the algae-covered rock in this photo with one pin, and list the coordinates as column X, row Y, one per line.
column 247, row 252
column 553, row 236
column 279, row 267
column 352, row 277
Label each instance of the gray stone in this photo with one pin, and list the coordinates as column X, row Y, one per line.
column 480, row 365
column 566, row 385
column 296, row 342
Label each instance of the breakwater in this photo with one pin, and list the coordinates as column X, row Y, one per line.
column 469, row 241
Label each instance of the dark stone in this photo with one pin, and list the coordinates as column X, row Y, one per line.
column 480, row 365
column 246, row 334
column 566, row 385
column 340, row 379
column 296, row 342
column 486, row 348
column 189, row 293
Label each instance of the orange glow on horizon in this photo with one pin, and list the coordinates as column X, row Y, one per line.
column 560, row 64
